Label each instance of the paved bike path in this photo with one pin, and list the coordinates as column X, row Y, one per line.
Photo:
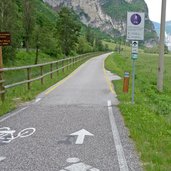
column 80, row 102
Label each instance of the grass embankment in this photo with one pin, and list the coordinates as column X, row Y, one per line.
column 17, row 95
column 149, row 119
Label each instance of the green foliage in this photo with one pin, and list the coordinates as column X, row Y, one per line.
column 28, row 21
column 149, row 119
column 95, row 39
column 155, row 49
column 8, row 10
column 83, row 45
column 118, row 8
column 99, row 45
column 68, row 30
column 39, row 27
column 90, row 35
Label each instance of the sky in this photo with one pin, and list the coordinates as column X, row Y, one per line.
column 154, row 7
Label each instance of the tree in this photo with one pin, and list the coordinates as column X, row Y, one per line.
column 90, row 35
column 83, row 45
column 68, row 30
column 99, row 45
column 8, row 16
column 28, row 21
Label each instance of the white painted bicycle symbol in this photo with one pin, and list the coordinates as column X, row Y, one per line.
column 7, row 135
column 77, row 165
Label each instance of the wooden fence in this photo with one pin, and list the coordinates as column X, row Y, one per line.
column 55, row 67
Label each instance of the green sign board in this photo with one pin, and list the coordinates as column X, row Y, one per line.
column 134, row 56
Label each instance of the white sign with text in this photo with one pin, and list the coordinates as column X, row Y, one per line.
column 135, row 25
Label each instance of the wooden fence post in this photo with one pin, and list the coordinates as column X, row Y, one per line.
column 57, row 68
column 41, row 73
column 63, row 65
column 28, row 77
column 1, row 77
column 51, row 69
column 2, row 89
column 67, row 63
column 70, row 63
column 74, row 61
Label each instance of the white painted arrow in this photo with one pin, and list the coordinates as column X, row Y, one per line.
column 2, row 158
column 81, row 135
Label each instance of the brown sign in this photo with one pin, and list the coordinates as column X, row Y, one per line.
column 5, row 38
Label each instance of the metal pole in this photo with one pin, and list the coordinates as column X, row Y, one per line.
column 133, row 80
column 161, row 47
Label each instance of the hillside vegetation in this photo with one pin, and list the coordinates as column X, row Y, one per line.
column 118, row 8
column 37, row 27
column 168, row 27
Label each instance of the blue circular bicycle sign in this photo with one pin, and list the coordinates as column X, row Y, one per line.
column 136, row 19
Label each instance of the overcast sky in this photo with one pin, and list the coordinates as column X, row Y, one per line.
column 154, row 7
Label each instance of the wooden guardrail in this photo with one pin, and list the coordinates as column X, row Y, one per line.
column 59, row 65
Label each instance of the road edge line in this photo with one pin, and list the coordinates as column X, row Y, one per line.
column 118, row 145
column 108, row 81
column 13, row 114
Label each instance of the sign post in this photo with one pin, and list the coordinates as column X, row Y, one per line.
column 135, row 32
column 134, row 57
column 5, row 40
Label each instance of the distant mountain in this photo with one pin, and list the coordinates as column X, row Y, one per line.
column 168, row 27
column 168, row 32
column 157, row 27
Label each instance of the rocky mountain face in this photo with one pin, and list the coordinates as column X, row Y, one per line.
column 108, row 15
column 167, row 33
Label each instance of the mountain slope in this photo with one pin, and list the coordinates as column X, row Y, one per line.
column 168, row 32
column 108, row 15
column 168, row 27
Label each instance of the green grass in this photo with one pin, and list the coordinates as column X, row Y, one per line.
column 19, row 94
column 149, row 119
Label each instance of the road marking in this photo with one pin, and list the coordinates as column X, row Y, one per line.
column 13, row 114
column 7, row 134
column 119, row 149
column 2, row 159
column 73, row 160
column 107, row 80
column 77, row 165
column 66, row 78
column 37, row 100
column 81, row 135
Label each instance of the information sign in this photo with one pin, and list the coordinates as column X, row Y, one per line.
column 5, row 38
column 134, row 47
column 135, row 26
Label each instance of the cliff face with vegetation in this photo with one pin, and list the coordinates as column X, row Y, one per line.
column 108, row 15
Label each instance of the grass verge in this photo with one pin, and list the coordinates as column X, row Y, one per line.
column 149, row 119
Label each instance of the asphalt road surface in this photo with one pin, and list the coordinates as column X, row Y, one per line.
column 73, row 126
